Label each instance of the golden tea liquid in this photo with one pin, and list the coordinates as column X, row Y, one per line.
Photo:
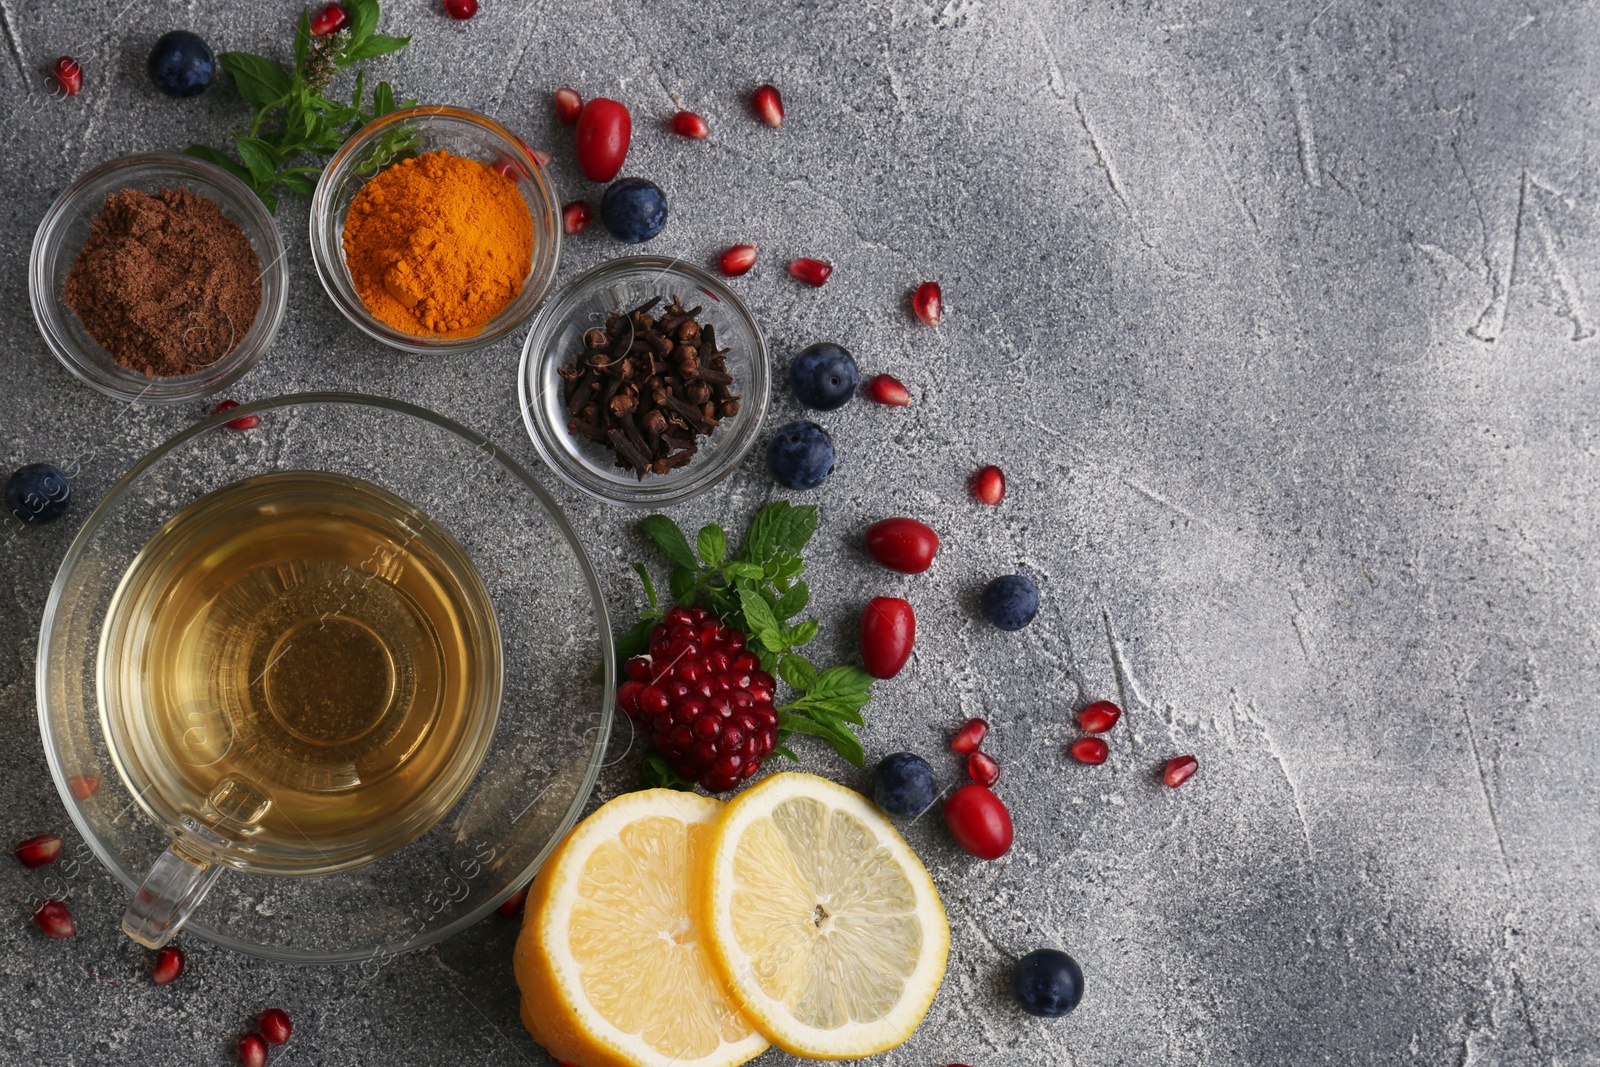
column 305, row 663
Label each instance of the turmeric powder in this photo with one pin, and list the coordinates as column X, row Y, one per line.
column 438, row 244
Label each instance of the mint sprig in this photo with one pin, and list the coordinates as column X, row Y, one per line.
column 760, row 592
column 294, row 116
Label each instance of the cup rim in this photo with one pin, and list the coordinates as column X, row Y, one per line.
column 79, row 545
column 334, row 274
column 46, row 303
column 555, row 446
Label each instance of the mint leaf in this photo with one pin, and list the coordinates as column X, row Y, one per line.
column 363, row 20
column 786, row 752
column 211, row 155
column 665, row 533
column 712, row 544
column 259, row 157
column 738, row 569
column 802, row 634
column 656, row 773
column 843, row 741
column 852, row 685
column 635, row 640
column 302, row 40
column 682, row 585
column 259, row 80
column 797, row 671
column 792, row 602
column 379, row 44
column 649, row 586
column 382, row 100
column 760, row 621
column 304, row 184
column 827, row 707
column 779, row 530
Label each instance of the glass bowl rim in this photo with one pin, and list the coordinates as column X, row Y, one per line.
column 42, row 295
column 114, row 495
column 329, row 261
column 549, row 318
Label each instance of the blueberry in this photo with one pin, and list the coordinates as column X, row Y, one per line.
column 1011, row 601
column 801, row 455
column 181, row 64
column 824, row 376
column 634, row 210
column 38, row 493
column 904, row 785
column 1047, row 982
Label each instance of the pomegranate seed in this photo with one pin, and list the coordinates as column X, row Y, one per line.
column 252, row 1051
column 983, row 768
column 507, row 168
column 813, row 272
column 69, row 75
column 969, row 737
column 243, row 422
column 54, row 919
column 1090, row 750
column 83, row 786
column 1179, row 769
column 461, row 9
column 737, row 260
column 1100, row 716
column 768, row 105
column 169, row 966
column 575, row 217
column 513, row 904
column 568, row 105
column 38, row 851
column 688, row 124
column 989, row 485
column 928, row 303
column 275, row 1025
column 329, row 20
column 887, row 389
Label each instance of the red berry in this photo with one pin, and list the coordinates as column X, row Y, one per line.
column 604, row 130
column 737, row 260
column 275, row 1025
column 989, row 485
column 170, row 962
column 983, row 768
column 38, row 851
column 511, row 907
column 1100, row 716
column 54, row 919
column 887, row 389
column 969, row 737
column 813, row 272
column 252, row 1051
column 461, row 9
column 1179, row 769
column 688, row 124
column 541, row 157
column 903, row 545
column 928, row 303
column 329, row 20
column 575, row 217
column 69, row 75
column 243, row 422
column 83, row 786
column 979, row 822
column 767, row 105
column 568, row 106
column 1090, row 750
column 888, row 628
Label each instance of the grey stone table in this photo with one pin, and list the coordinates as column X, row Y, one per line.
column 1280, row 319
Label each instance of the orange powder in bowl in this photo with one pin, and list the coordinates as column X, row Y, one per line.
column 438, row 244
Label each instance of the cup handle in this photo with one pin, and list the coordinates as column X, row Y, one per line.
column 175, row 886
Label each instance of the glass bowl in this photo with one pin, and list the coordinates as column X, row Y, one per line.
column 555, row 709
column 414, row 131
column 582, row 304
column 64, row 230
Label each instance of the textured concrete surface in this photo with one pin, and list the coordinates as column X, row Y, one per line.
column 1280, row 319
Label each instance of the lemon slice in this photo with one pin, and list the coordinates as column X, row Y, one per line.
column 823, row 923
column 612, row 967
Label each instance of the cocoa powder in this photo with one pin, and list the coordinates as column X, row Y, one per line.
column 168, row 284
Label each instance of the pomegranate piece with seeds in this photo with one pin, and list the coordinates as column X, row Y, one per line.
column 1100, row 716
column 329, row 20
column 768, row 105
column 928, row 303
column 813, row 272
column 569, row 105
column 54, row 919
column 1179, row 769
column 69, row 75
column 83, row 786
column 989, row 485
column 461, row 10
column 737, row 260
column 253, row 1050
column 243, row 422
column 575, row 217
column 170, row 962
column 1090, row 750
column 512, row 906
column 688, row 124
column 887, row 389
column 969, row 737
column 702, row 699
column 983, row 768
column 38, row 851
column 275, row 1025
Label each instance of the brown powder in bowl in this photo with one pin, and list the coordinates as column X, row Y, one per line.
column 168, row 284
